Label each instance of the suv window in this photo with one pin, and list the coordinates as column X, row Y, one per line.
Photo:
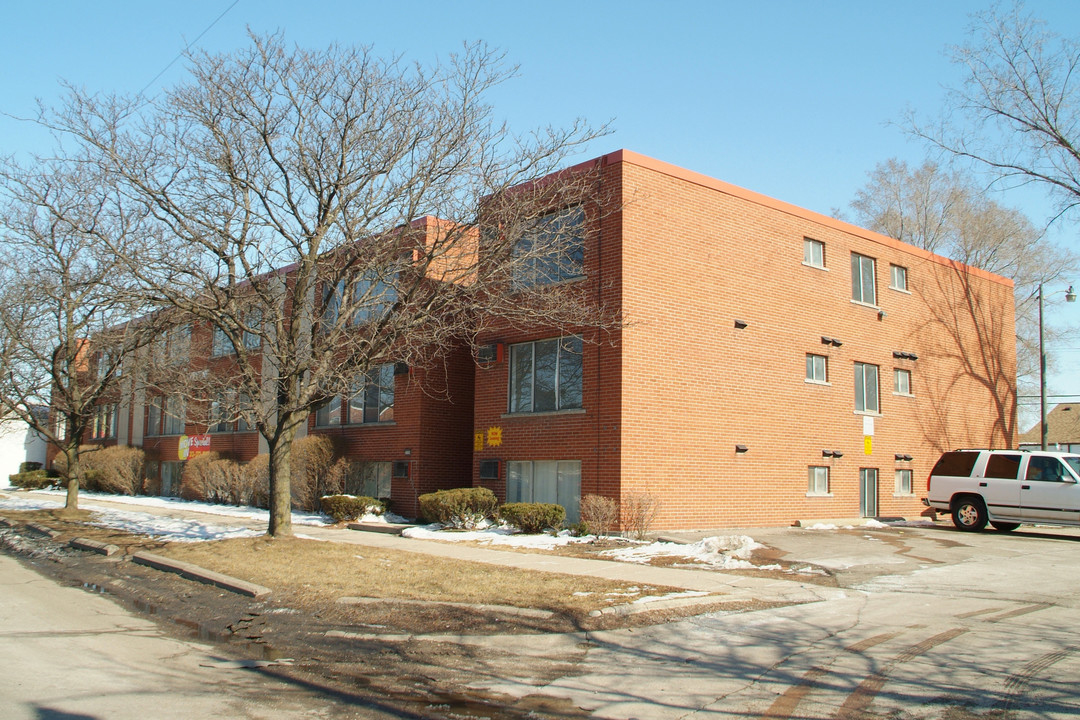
column 1046, row 469
column 957, row 463
column 1003, row 466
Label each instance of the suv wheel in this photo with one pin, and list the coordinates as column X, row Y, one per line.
column 1004, row 526
column 969, row 514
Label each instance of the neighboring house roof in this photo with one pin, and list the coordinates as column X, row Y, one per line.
column 1062, row 423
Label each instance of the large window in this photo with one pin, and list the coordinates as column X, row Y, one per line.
column 552, row 250
column 221, row 408
column 104, row 424
column 546, row 481
column 371, row 401
column 862, row 279
column 372, row 297
column 369, row 479
column 817, row 368
column 221, row 344
column 372, row 398
column 866, row 388
column 332, row 304
column 813, row 253
column 817, row 480
column 252, row 337
column 175, row 418
column 545, row 376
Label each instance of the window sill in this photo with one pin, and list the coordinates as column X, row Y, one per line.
column 907, row 395
column 819, row 495
column 867, row 413
column 816, row 267
column 824, row 383
column 900, row 290
column 868, row 306
column 339, row 426
column 903, row 495
column 546, row 413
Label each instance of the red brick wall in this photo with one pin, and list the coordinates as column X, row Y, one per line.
column 699, row 255
column 667, row 399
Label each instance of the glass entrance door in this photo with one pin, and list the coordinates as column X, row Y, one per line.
column 868, row 486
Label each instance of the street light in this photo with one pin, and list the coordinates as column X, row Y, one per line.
column 1070, row 296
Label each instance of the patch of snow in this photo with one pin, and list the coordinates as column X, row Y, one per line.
column 670, row 596
column 872, row 523
column 821, row 526
column 493, row 536
column 727, row 552
column 252, row 513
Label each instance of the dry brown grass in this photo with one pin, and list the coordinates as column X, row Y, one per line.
column 310, row 570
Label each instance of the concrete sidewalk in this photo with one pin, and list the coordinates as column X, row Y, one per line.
column 736, row 587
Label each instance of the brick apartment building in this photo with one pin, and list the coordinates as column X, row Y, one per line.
column 773, row 364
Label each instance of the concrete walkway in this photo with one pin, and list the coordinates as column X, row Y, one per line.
column 736, row 587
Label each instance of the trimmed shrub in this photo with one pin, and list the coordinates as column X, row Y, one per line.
column 578, row 529
column 460, row 507
column 314, row 472
column 533, row 518
column 210, row 478
column 599, row 514
column 116, row 469
column 33, row 479
column 29, row 466
column 349, row 507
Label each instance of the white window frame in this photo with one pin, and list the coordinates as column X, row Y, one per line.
column 812, row 369
column 811, row 245
column 903, row 478
column 902, row 387
column 815, row 475
column 862, row 384
column 902, row 286
column 859, row 276
column 563, row 234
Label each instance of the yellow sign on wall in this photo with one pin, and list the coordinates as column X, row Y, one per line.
column 494, row 436
column 868, row 444
column 478, row 442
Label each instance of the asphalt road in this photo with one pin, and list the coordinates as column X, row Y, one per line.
column 67, row 653
column 933, row 623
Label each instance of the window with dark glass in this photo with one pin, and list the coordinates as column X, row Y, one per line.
column 552, row 249
column 372, row 398
column 546, row 375
column 866, row 388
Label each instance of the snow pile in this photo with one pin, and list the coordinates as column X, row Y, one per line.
column 171, row 529
column 726, row 552
column 250, row 513
column 494, row 536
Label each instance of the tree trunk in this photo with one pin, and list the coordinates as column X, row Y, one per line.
column 73, row 472
column 281, row 480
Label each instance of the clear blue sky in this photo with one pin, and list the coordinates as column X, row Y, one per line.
column 791, row 99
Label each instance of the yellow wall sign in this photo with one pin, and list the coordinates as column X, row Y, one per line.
column 868, row 444
column 494, row 436
column 478, row 442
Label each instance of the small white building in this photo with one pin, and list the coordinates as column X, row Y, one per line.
column 18, row 444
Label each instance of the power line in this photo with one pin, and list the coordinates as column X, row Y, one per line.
column 188, row 47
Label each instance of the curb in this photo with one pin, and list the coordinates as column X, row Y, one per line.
column 94, row 546
column 43, row 530
column 640, row 607
column 194, row 572
column 507, row 609
column 385, row 528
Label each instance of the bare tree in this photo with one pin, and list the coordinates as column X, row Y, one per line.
column 65, row 304
column 1017, row 112
column 945, row 212
column 320, row 210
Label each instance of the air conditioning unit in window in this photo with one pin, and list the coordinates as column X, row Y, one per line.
column 490, row 353
column 490, row 469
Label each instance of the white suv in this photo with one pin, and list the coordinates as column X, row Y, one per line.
column 1006, row 488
